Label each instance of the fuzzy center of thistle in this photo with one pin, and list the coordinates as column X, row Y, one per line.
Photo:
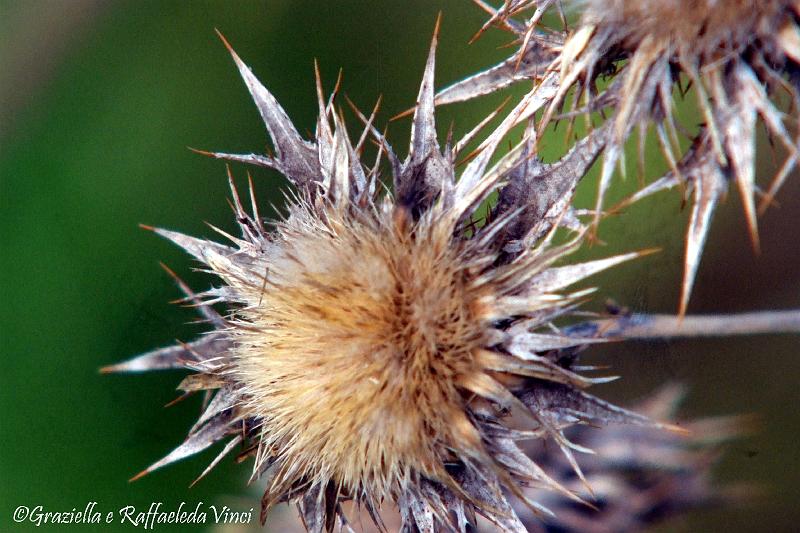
column 358, row 342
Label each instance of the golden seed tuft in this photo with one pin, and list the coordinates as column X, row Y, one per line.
column 355, row 348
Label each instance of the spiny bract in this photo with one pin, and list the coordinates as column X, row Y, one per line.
column 738, row 57
column 384, row 346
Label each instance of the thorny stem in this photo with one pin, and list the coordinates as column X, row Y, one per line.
column 642, row 326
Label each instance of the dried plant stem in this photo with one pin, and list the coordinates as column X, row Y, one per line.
column 642, row 326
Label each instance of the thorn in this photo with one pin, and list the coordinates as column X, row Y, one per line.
column 649, row 251
column 237, row 203
column 360, row 144
column 431, row 55
column 470, row 156
column 471, row 134
column 140, row 475
column 338, row 83
column 253, row 205
column 171, row 272
column 177, row 400
column 525, row 42
column 317, row 76
column 225, row 41
column 674, row 428
column 146, row 227
column 202, row 152
column 403, row 114
column 750, row 216
column 221, row 232
column 190, row 295
column 436, row 27
column 495, row 17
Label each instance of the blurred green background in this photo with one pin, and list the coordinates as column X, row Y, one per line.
column 98, row 102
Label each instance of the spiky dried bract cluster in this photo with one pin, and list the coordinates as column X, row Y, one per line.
column 737, row 56
column 392, row 347
column 377, row 344
column 641, row 476
column 707, row 29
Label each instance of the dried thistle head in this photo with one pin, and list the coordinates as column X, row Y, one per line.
column 705, row 29
column 378, row 343
column 737, row 56
column 386, row 346
column 642, row 476
column 734, row 53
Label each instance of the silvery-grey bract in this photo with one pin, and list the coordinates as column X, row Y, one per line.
column 391, row 348
column 625, row 59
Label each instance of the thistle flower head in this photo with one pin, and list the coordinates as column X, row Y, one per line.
column 378, row 343
column 735, row 53
column 387, row 346
column 737, row 56
column 705, row 29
